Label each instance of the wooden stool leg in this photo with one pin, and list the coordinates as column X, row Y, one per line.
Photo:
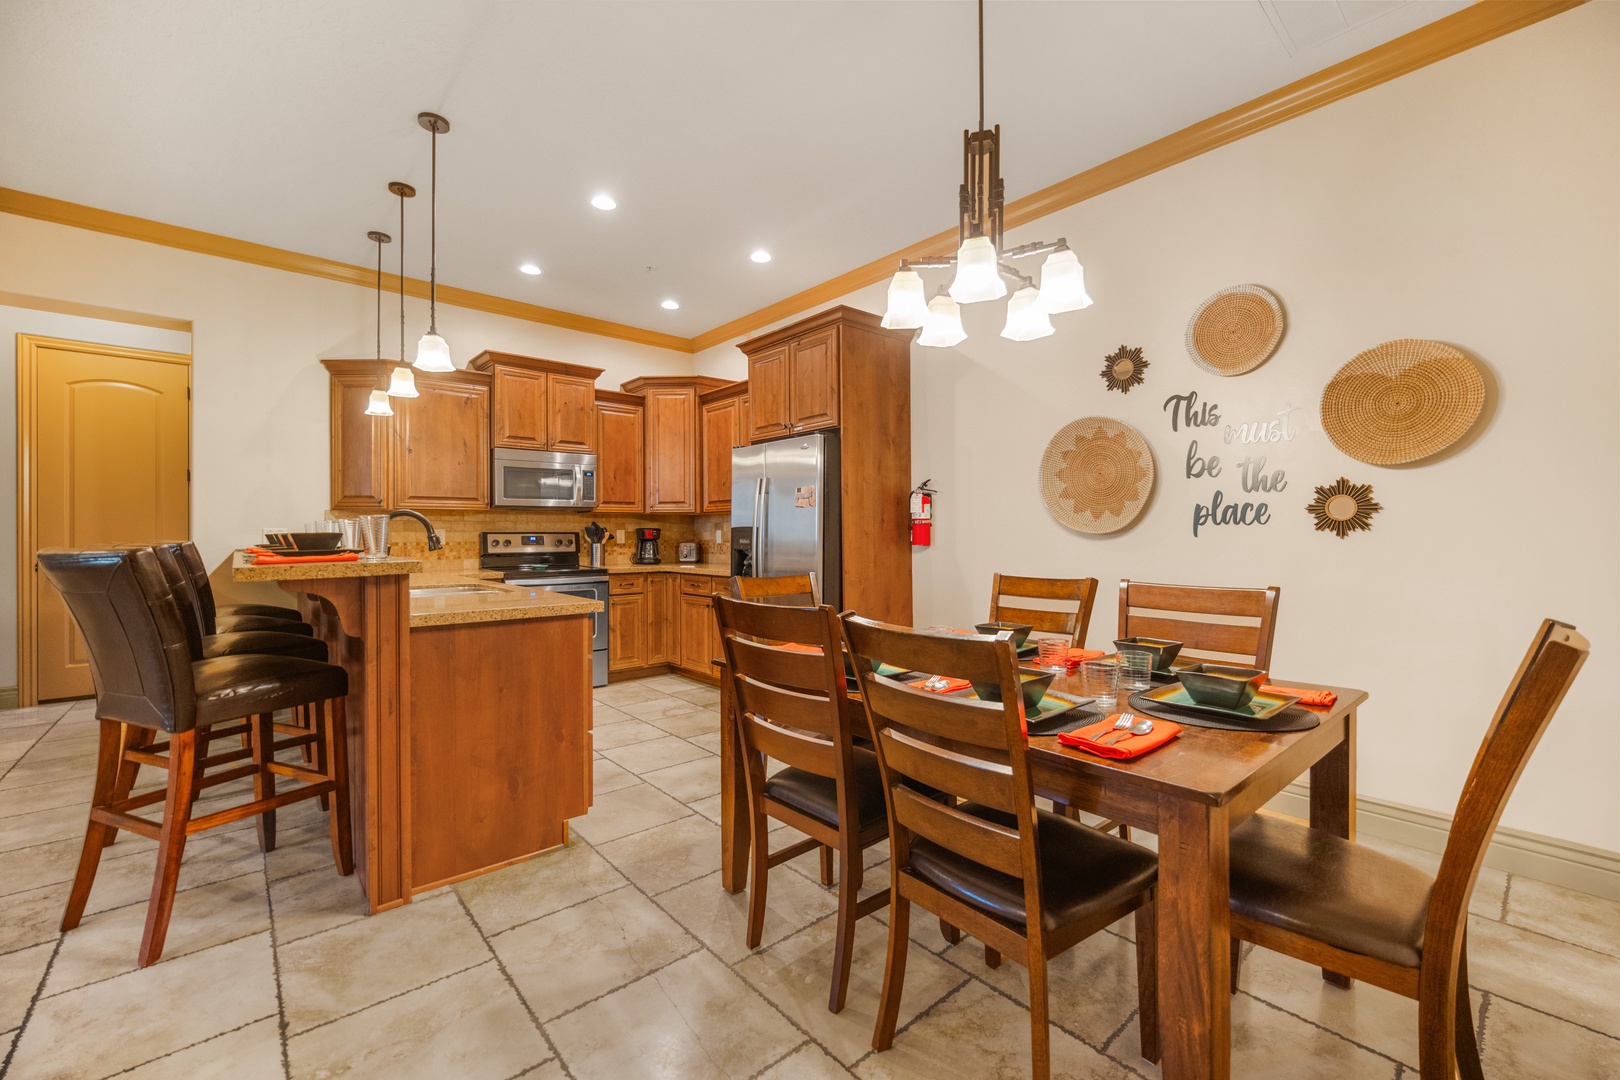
column 849, row 887
column 1468, row 1066
column 826, row 865
column 759, row 873
column 109, row 767
column 894, row 969
column 951, row 934
column 337, row 761
column 132, row 738
column 1147, row 980
column 264, row 781
column 1040, row 1028
column 315, row 752
column 171, row 843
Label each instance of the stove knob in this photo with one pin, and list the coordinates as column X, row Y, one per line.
column 506, row 543
column 557, row 542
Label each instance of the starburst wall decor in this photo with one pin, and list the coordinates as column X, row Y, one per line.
column 1343, row 508
column 1124, row 369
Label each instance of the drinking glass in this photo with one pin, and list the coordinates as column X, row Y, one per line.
column 374, row 537
column 1052, row 653
column 1100, row 679
column 1134, row 668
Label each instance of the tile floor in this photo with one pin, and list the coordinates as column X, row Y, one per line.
column 620, row 957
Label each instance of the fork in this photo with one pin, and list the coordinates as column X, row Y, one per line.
column 1121, row 724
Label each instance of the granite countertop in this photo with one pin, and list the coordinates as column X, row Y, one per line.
column 242, row 569
column 704, row 569
column 502, row 603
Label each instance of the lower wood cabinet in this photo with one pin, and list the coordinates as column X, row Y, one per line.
column 663, row 618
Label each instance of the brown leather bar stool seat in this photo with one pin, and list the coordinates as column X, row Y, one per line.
column 275, row 637
column 148, row 685
column 225, row 618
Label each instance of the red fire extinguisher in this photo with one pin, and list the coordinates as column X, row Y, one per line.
column 922, row 515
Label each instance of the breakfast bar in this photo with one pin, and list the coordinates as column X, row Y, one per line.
column 469, row 715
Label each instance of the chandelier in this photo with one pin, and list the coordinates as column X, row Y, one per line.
column 982, row 270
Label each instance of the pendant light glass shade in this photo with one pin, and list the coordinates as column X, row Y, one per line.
column 1026, row 321
column 944, row 326
column 1063, row 283
column 977, row 276
column 433, row 354
column 378, row 405
column 403, row 383
column 908, row 304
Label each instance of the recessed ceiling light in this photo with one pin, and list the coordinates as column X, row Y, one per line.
column 530, row 269
column 603, row 201
column 761, row 256
column 670, row 305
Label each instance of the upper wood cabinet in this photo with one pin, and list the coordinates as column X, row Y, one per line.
column 793, row 384
column 770, row 414
column 723, row 424
column 621, row 459
column 541, row 404
column 441, row 458
column 670, row 412
column 432, row 453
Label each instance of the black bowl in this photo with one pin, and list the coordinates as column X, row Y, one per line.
column 1020, row 631
column 1220, row 685
column 1163, row 652
column 1033, row 683
column 306, row 541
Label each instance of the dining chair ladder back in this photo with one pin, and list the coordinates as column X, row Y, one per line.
column 794, row 590
column 790, row 704
column 1074, row 596
column 1369, row 916
column 1027, row 883
column 1202, row 619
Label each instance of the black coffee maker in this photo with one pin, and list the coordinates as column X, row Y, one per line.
column 647, row 546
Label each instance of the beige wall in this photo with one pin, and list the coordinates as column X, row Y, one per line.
column 260, row 435
column 1475, row 202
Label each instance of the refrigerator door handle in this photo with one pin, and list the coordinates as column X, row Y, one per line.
column 759, row 527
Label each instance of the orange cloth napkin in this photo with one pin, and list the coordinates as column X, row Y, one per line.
column 794, row 646
column 1129, row 746
column 283, row 560
column 1317, row 699
column 951, row 686
column 1080, row 656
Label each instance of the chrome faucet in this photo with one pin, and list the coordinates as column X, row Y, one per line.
column 435, row 542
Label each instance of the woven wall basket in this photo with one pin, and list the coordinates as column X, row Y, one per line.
column 1096, row 475
column 1235, row 330
column 1402, row 401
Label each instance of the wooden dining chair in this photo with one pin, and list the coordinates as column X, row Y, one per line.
column 1221, row 626
column 795, row 590
column 789, row 695
column 1369, row 916
column 1075, row 621
column 1028, row 883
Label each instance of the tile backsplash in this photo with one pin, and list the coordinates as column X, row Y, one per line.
column 460, row 529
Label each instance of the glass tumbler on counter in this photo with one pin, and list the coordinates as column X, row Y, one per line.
column 1134, row 671
column 1052, row 654
column 374, row 537
column 1100, row 679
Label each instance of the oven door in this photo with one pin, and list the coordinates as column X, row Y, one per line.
column 543, row 478
column 586, row 589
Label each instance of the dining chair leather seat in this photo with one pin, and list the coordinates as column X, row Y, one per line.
column 267, row 642
column 268, row 611
column 1307, row 881
column 818, row 795
column 231, row 687
column 1082, row 871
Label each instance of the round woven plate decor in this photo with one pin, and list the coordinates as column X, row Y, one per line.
column 1096, row 475
column 1402, row 401
column 1235, row 330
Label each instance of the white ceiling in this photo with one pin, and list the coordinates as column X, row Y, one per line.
column 827, row 132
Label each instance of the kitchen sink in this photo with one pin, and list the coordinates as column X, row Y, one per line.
column 450, row 590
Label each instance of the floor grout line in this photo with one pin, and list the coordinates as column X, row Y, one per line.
column 275, row 969
column 500, row 965
column 28, row 1013
column 188, row 1046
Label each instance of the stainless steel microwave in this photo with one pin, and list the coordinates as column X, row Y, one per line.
column 544, row 478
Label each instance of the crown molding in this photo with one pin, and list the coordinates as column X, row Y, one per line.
column 1455, row 33
column 79, row 216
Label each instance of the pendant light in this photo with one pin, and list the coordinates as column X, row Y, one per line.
column 432, row 351
column 378, row 405
column 403, row 382
column 981, row 270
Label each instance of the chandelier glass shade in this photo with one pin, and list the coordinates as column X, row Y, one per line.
column 403, row 383
column 1026, row 320
column 377, row 404
column 1063, row 283
column 943, row 327
column 978, row 275
column 908, row 303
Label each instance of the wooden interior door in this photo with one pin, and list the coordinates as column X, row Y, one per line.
column 105, row 458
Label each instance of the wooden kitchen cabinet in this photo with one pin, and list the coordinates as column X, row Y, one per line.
column 432, row 453
column 670, row 414
column 621, row 460
column 627, row 631
column 699, row 633
column 794, row 385
column 661, row 628
column 723, row 424
column 541, row 404
column 770, row 415
column 663, row 619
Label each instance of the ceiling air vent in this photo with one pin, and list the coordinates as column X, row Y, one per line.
column 1302, row 24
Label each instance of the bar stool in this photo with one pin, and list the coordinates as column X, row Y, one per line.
column 191, row 560
column 140, row 661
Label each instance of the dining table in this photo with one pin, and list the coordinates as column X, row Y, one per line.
column 1189, row 793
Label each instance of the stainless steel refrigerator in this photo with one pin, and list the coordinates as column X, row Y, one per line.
column 784, row 510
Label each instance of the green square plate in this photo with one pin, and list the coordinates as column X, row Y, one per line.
column 1262, row 707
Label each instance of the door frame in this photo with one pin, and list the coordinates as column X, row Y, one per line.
column 28, row 349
